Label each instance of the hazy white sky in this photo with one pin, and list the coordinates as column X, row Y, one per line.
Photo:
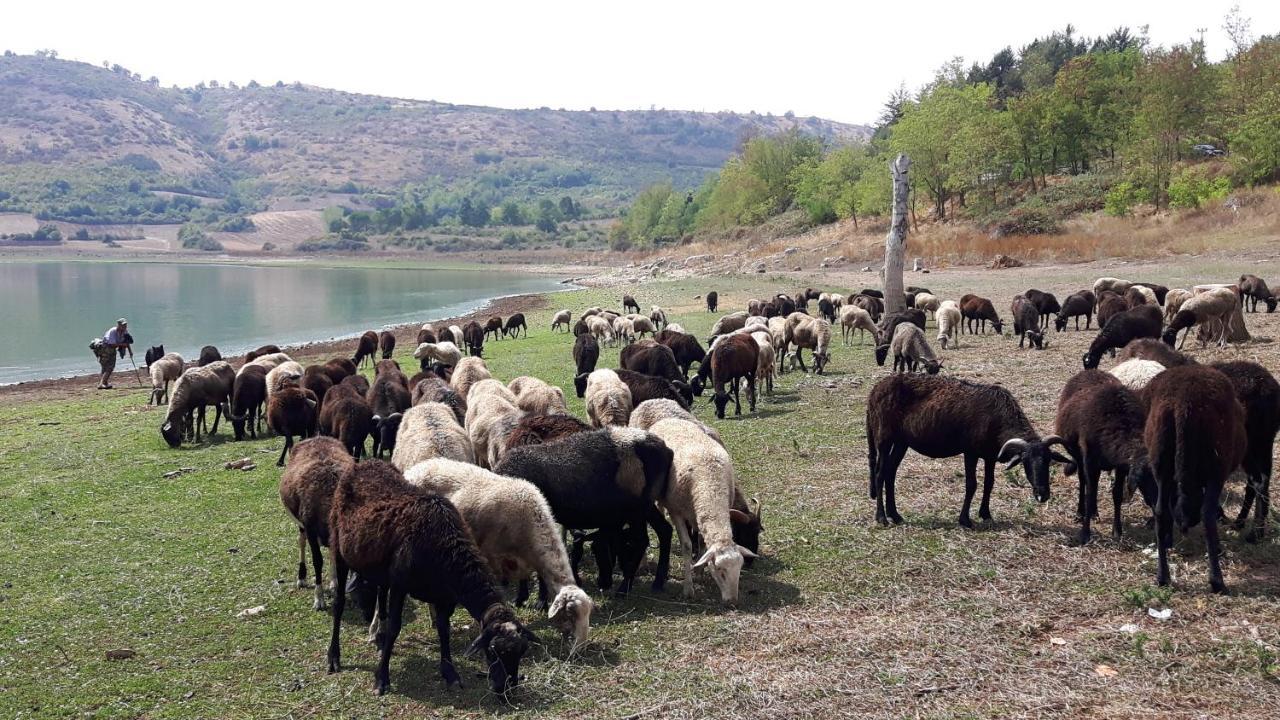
column 835, row 60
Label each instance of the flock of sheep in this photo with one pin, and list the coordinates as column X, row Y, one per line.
column 490, row 482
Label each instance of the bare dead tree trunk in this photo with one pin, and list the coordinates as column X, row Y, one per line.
column 895, row 243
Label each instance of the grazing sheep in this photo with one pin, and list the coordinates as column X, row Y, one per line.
column 1155, row 350
column 642, row 325
column 253, row 355
column 1136, row 373
column 658, row 317
column 874, row 306
column 196, row 389
column 561, row 319
column 1046, row 304
column 853, row 318
column 1100, row 422
column 942, row 417
column 359, row 382
column 163, row 370
column 248, row 394
column 347, row 416
column 1259, row 393
column 270, row 361
column 208, row 355
column 629, row 304
column 1195, row 436
column 1213, row 307
column 1076, row 305
column 605, row 479
column 765, row 364
column 1138, row 295
column 910, row 350
column 538, row 429
column 727, row 324
column 713, row 301
column 389, row 398
column 649, row 412
column 734, row 358
column 537, row 397
column 306, row 491
column 1160, row 291
column 810, row 333
column 1115, row 285
column 1173, row 303
column 286, row 372
column 493, row 326
column 1109, row 305
column 443, row 353
column 454, row 333
column 339, row 368
column 473, row 337
column 468, row 372
column 1125, row 327
column 290, row 411
column 651, row 358
column 490, row 420
column 647, row 387
column 926, row 302
column 1026, row 322
column 685, row 347
column 698, row 498
column 586, row 352
column 366, row 346
column 977, row 311
column 949, row 320
column 826, row 310
column 608, row 398
column 386, row 344
column 600, row 329
column 514, row 325
column 426, row 335
column 414, row 543
column 429, row 387
column 1253, row 289
column 427, row 431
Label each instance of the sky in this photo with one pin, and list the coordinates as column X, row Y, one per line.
column 837, row 60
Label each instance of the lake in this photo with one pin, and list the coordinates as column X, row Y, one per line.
column 53, row 309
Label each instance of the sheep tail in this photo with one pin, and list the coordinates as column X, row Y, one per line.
column 1190, row 493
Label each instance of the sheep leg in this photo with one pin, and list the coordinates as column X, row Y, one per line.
column 288, row 444
column 886, row 505
column 1089, row 475
column 751, row 390
column 988, row 482
column 662, row 529
column 387, row 640
column 686, row 545
column 970, row 488
column 217, row 415
column 302, row 558
column 1164, row 531
column 317, row 562
column 339, row 603
column 522, row 592
column 634, row 540
column 1119, row 481
column 1209, row 514
column 575, row 557
column 1262, row 512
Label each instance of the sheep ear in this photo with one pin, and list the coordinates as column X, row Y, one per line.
column 737, row 516
column 557, row 606
column 478, row 644
column 527, row 634
column 707, row 557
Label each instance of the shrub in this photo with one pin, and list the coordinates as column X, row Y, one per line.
column 1027, row 221
column 1120, row 199
column 1192, row 187
column 239, row 223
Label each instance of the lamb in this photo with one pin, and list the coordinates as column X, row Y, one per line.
column 514, row 325
column 347, row 416
column 1259, row 393
column 195, row 389
column 533, row 396
column 765, row 365
column 490, row 419
column 388, row 397
column 586, row 352
column 366, row 346
column 1140, row 322
column 561, row 319
column 698, row 497
column 1152, row 349
column 538, row 429
column 1115, row 285
column 468, row 372
column 163, row 370
column 1213, row 307
column 253, row 355
column 658, row 317
column 1100, row 422
column 248, row 394
column 306, row 491
column 1026, row 322
column 648, row 413
column 826, row 310
column 290, row 411
column 812, row 333
column 427, row 431
column 1253, row 289
column 1195, row 437
column 713, row 301
column 1173, row 303
column 684, row 347
column 1109, row 305
column 516, row 533
column 977, row 311
column 1136, row 373
column 853, row 318
column 727, row 324
column 942, row 417
column 608, row 398
column 473, row 336
column 926, row 302
column 949, row 320
column 443, row 353
column 1076, row 305
column 1046, row 304
column 628, row 303
column 209, row 355
column 386, row 343
column 410, row 542
column 606, row 479
column 910, row 350
column 455, row 334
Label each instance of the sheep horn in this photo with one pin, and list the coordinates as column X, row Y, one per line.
column 1013, row 446
column 756, row 510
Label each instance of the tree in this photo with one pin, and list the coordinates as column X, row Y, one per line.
column 570, row 209
column 548, row 216
column 1175, row 92
column 1253, row 103
column 895, row 243
column 511, row 214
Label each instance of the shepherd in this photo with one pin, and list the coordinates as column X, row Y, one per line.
column 116, row 339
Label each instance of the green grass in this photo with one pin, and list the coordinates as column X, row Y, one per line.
column 101, row 552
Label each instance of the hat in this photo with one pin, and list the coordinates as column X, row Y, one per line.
column 122, row 321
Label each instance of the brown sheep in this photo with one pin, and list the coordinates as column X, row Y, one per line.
column 306, row 490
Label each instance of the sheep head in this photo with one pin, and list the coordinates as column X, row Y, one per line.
column 1060, row 323
column 1036, row 338
column 724, row 562
column 747, row 528
column 721, row 400
column 504, row 641
column 570, row 613
column 882, row 353
column 580, row 384
column 1271, row 307
column 171, row 431
column 1036, row 458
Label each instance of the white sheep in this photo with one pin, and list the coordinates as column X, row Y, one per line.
column 490, row 386
column 562, row 318
column 430, row 430
column 468, row 372
column 600, row 329
column 928, row 303
column 1213, row 308
column 270, row 360
column 649, row 412
column 490, row 419
column 164, row 371
column 676, row 327
column 1173, row 301
column 949, row 322
column 624, row 330
column 803, row 331
column 1135, row 373
column 853, row 318
column 536, row 397
column 698, row 497
column 443, row 352
column 765, row 367
column 837, row 300
column 458, row 338
column 1147, row 294
column 778, row 333
column 641, row 325
column 1115, row 285
column 608, row 399
column 288, row 371
column 516, row 532
column 596, row 310
column 910, row 349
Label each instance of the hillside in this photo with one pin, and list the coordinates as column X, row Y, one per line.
column 74, row 121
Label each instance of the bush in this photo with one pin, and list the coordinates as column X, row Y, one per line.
column 1192, row 187
column 1027, row 221
column 239, row 223
column 1120, row 199
column 345, row 242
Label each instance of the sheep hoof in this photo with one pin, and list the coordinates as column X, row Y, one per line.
column 302, row 584
column 1218, row 587
column 1254, row 536
column 381, row 688
column 966, row 522
column 895, row 518
column 319, row 605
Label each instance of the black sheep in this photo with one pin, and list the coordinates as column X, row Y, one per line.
column 827, row 310
column 1253, row 289
column 629, row 304
column 473, row 336
column 408, row 542
column 1026, row 322
column 713, row 301
column 784, row 305
column 870, row 292
column 306, row 490
column 1109, row 305
column 514, row 325
column 388, row 397
column 1046, row 303
column 316, row 379
column 940, row 417
column 366, row 347
column 493, row 325
column 1076, row 305
column 651, row 358
column 254, row 354
column 386, row 343
column 647, row 387
column 247, row 396
column 1259, row 393
column 291, row 411
column 685, row 347
column 890, row 321
column 209, row 354
column 154, row 353
column 1143, row 321
column 586, row 352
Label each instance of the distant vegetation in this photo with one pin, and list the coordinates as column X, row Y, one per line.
column 1065, row 125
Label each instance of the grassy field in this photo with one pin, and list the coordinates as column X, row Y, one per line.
column 101, row 552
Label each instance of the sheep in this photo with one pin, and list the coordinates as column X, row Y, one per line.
column 1152, row 349
column 826, row 310
column 561, row 319
column 685, row 347
column 606, row 479
column 444, row 353
column 316, row 379
column 1115, row 285
column 366, row 346
column 942, row 417
column 643, row 325
column 1045, row 303
column 490, row 386
column 1173, row 303
column 473, row 337
column 811, row 333
column 977, row 311
column 1026, row 322
column 1259, row 393
column 339, row 368
column 651, row 358
column 388, row 397
column 514, row 325
column 698, row 497
column 1076, row 304
column 537, row 429
column 658, row 317
column 537, row 397
column 872, row 292
column 874, row 306
column 248, row 393
column 163, row 370
column 429, row 387
column 649, row 412
column 1136, row 373
column 1140, row 322
column 1109, row 305
column 468, row 372
column 386, row 344
column 154, row 353
column 516, row 533
column 490, row 420
column 586, row 352
column 290, row 411
column 286, row 372
column 270, row 360
column 624, row 330
column 1160, row 291
column 253, row 355
column 600, row 329
column 949, row 320
column 427, row 431
column 426, row 335
column 1138, row 295
column 359, row 382
column 926, row 302
column 727, row 324
column 195, row 389
column 1195, row 437
column 736, row 357
column 454, row 333
column 853, row 318
column 306, row 491
column 1212, row 306
column 1100, row 422
column 628, row 303
column 348, row 417
column 713, row 301
column 608, row 398
column 765, row 363
column 910, row 350
column 208, row 355
column 410, row 542
column 1253, row 289
column 580, row 327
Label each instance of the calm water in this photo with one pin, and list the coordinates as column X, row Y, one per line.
column 51, row 310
